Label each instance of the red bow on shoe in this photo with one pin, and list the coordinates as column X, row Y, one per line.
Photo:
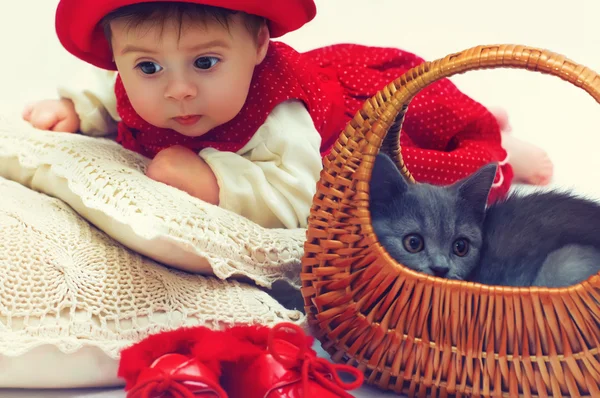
column 288, row 368
column 303, row 358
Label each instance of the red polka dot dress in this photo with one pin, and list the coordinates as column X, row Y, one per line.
column 446, row 135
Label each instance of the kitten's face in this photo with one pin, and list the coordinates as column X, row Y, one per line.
column 431, row 229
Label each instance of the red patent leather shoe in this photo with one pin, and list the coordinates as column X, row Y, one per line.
column 288, row 368
column 180, row 363
column 177, row 376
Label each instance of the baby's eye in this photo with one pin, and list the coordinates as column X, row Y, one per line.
column 149, row 68
column 206, row 62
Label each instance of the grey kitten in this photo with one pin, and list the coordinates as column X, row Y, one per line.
column 542, row 239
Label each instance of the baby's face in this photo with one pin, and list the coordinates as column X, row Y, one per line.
column 190, row 79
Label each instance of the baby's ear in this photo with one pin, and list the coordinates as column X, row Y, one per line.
column 262, row 42
column 386, row 180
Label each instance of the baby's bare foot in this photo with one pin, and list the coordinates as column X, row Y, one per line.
column 530, row 163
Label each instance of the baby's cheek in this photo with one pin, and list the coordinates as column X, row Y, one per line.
column 228, row 103
column 148, row 108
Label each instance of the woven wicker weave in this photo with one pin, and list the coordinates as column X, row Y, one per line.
column 425, row 336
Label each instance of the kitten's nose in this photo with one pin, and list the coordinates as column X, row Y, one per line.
column 440, row 270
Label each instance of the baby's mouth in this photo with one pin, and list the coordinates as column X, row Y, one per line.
column 187, row 120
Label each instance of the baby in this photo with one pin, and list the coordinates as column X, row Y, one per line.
column 241, row 121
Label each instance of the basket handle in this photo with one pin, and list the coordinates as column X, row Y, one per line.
column 402, row 90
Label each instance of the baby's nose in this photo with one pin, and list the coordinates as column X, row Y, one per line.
column 181, row 90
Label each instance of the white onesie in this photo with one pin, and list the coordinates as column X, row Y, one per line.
column 271, row 180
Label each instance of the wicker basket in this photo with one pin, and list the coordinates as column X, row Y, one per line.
column 426, row 336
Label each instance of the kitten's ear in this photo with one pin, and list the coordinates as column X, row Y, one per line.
column 386, row 180
column 476, row 188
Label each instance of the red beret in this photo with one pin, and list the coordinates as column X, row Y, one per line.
column 78, row 30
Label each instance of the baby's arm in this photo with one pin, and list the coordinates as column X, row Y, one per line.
column 183, row 169
column 87, row 104
column 272, row 179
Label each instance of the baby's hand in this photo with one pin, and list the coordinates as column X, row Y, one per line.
column 55, row 115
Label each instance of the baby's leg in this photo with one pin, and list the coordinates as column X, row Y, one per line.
column 568, row 266
column 530, row 163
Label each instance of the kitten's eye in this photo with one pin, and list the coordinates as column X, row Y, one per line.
column 149, row 68
column 206, row 62
column 413, row 243
column 461, row 247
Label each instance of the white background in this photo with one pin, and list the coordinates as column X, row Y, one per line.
column 557, row 116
